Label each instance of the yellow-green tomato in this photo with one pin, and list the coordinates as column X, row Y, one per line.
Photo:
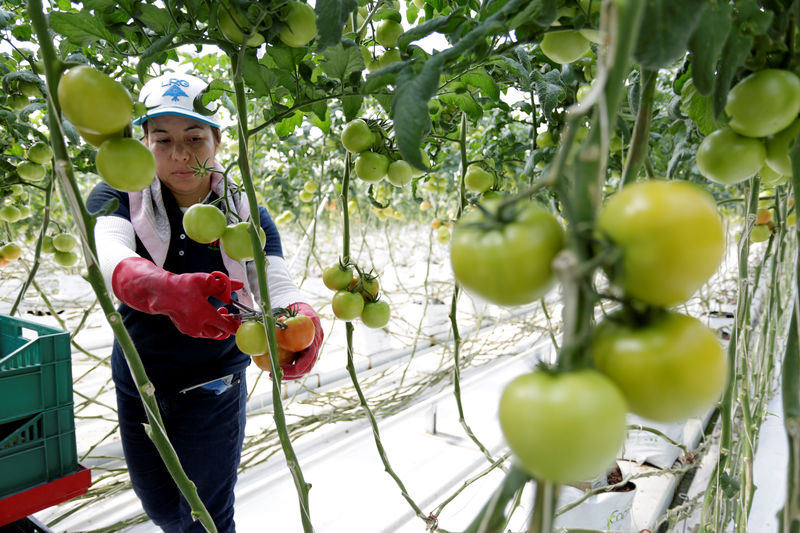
column 371, row 166
column 66, row 259
column 507, row 262
column 93, row 102
column 40, row 153
column 477, row 179
column 204, row 223
column 301, row 24
column 727, row 158
column 11, row 251
column 376, row 314
column 251, row 337
column 64, row 242
column 564, row 46
column 668, row 366
column 231, row 26
column 28, row 170
column 563, row 428
column 126, row 164
column 387, row 33
column 399, row 173
column 670, row 236
column 764, row 103
column 357, row 137
column 778, row 149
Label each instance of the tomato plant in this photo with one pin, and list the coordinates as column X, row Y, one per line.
column 764, row 102
column 204, row 223
column 298, row 334
column 93, row 102
column 563, row 427
column 251, row 337
column 668, row 366
column 727, row 157
column 126, row 164
column 505, row 256
column 670, row 236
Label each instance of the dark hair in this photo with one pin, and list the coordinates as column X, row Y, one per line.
column 215, row 131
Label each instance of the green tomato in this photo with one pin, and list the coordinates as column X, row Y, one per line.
column 726, row 157
column 760, row 233
column 376, row 314
column 310, row 186
column 204, row 223
column 301, row 24
column 669, row 366
column 251, row 337
column 387, row 33
column 30, row 89
column 64, row 242
column 564, row 46
column 126, row 164
column 235, row 242
column 47, row 245
column 778, row 149
column 9, row 213
column 392, row 55
column 285, row 218
column 770, row 178
column 399, row 173
column 40, row 153
column 347, row 305
column 24, row 211
column 66, row 259
column 306, row 196
column 97, row 140
column 507, row 262
column 337, row 278
column 671, row 238
column 30, row 171
column 231, row 26
column 477, row 179
column 563, row 428
column 93, row 102
column 443, row 235
column 357, row 137
column 371, row 166
column 544, row 139
column 11, row 251
column 764, row 103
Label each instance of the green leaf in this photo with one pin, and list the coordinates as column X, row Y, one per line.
column 5, row 18
column 428, row 27
column 734, row 54
column 541, row 12
column 81, row 29
column 22, row 32
column 388, row 13
column 155, row 18
column 285, row 57
column 342, row 60
column 410, row 108
column 706, row 44
column 699, row 108
column 324, row 124
column 465, row 102
column 334, row 15
column 320, row 109
column 257, row 77
column 383, row 77
column 550, row 90
column 150, row 55
column 287, row 126
column 665, row 31
column 351, row 105
column 480, row 78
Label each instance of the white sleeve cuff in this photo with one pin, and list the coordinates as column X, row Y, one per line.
column 116, row 241
column 282, row 289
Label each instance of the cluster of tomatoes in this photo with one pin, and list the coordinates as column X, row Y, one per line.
column 123, row 162
column 295, row 334
column 205, row 223
column 357, row 295
column 763, row 121
column 299, row 25
column 568, row 425
column 372, row 163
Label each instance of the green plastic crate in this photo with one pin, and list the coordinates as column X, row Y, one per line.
column 35, row 368
column 37, row 449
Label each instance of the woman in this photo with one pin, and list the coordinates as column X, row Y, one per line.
column 169, row 306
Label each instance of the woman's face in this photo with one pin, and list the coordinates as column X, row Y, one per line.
column 181, row 145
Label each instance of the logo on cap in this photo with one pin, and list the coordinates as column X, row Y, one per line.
column 174, row 89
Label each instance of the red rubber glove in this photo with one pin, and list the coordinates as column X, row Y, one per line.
column 182, row 297
column 305, row 359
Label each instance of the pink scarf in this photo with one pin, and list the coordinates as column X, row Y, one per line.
column 151, row 224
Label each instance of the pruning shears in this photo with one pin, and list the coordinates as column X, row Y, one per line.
column 245, row 312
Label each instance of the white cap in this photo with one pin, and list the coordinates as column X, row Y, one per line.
column 173, row 94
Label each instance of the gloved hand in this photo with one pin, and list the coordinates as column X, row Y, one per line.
column 306, row 359
column 182, row 297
